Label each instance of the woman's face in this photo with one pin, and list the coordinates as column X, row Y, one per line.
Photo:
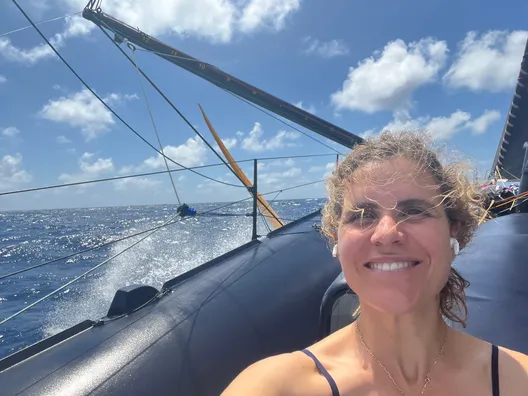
column 394, row 237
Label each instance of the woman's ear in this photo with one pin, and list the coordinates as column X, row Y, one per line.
column 454, row 228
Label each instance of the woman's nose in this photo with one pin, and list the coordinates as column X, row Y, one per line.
column 387, row 232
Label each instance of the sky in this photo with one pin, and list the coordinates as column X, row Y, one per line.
column 448, row 67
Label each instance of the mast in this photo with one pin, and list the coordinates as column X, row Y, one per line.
column 208, row 72
column 510, row 152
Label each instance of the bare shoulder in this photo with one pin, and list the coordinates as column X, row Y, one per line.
column 277, row 375
column 513, row 365
column 513, row 370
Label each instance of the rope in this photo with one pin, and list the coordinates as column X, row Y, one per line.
column 40, row 23
column 231, row 93
column 211, row 211
column 105, row 104
column 241, row 98
column 82, row 251
column 171, row 220
column 282, row 121
column 167, row 99
column 80, row 276
column 169, row 102
column 148, row 174
column 132, row 48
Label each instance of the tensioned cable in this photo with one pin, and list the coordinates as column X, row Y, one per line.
column 278, row 119
column 149, row 174
column 82, row 275
column 238, row 97
column 83, row 251
column 155, row 128
column 169, row 102
column 86, row 272
column 142, row 232
column 263, row 217
column 171, row 220
column 40, row 23
column 132, row 47
column 106, row 105
column 196, row 60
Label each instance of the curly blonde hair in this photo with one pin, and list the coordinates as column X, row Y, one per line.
column 460, row 197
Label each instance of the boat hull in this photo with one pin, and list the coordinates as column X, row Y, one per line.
column 261, row 300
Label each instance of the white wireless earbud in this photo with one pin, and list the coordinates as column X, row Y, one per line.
column 334, row 251
column 455, row 245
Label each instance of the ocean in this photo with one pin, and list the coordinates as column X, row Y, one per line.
column 29, row 238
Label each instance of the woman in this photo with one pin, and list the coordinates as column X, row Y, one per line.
column 396, row 218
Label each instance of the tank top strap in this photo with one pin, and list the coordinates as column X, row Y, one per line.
column 495, row 370
column 324, row 372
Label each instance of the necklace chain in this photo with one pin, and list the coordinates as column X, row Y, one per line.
column 427, row 379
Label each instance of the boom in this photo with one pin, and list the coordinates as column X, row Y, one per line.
column 219, row 78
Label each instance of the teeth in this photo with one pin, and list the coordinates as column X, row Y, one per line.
column 390, row 266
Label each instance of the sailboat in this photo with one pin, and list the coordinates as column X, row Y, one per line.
column 277, row 293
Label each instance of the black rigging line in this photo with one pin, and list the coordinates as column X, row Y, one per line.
column 210, row 212
column 278, row 119
column 151, row 174
column 39, row 23
column 169, row 102
column 85, row 250
column 239, row 97
column 107, row 106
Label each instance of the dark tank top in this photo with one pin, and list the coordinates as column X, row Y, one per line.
column 494, row 371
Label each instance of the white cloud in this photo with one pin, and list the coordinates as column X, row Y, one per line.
column 136, row 182
column 482, row 123
column 325, row 49
column 281, row 140
column 10, row 132
column 213, row 20
column 329, row 168
column 270, row 14
column 90, row 168
column 315, row 169
column 444, row 128
column 2, row 79
column 490, row 62
column 289, row 162
column 12, row 173
column 326, row 169
column 83, row 110
column 192, row 153
column 387, row 80
column 367, row 133
column 75, row 26
column 63, row 140
column 229, row 143
column 310, row 109
column 276, row 178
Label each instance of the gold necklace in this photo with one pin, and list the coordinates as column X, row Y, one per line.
column 427, row 379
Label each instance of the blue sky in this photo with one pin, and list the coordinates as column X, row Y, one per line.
column 449, row 67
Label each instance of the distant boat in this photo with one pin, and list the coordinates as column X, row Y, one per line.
column 275, row 294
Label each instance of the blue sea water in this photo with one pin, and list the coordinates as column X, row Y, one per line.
column 33, row 237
